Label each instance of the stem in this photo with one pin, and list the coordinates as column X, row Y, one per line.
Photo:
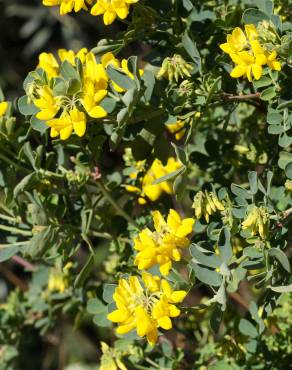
column 15, row 230
column 8, row 218
column 14, row 164
column 118, row 208
column 230, row 97
column 6, row 209
column 286, row 214
column 147, row 359
column 12, row 278
column 24, row 263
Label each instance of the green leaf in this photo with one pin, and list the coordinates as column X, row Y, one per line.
column 181, row 154
column 288, row 170
column 206, row 276
column 130, row 97
column 254, row 16
column 262, row 82
column 240, row 191
column 285, row 140
column 38, row 125
column 83, row 274
column 108, row 291
column 220, row 296
column 169, row 176
column 99, row 310
column 247, row 328
column 29, row 154
column 282, row 289
column 253, row 182
column 268, row 94
column 191, row 48
column 23, row 185
column 120, row 78
column 40, row 242
column 108, row 104
column 274, row 118
column 94, row 306
column 285, row 104
column 8, row 252
column 281, row 257
column 284, row 159
column 187, row 4
column 210, row 260
column 224, row 245
column 266, row 6
column 68, row 71
column 26, row 108
column 251, row 252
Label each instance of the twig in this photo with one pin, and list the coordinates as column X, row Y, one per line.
column 12, row 278
column 237, row 298
column 22, row 262
column 286, row 214
column 231, row 97
column 15, row 230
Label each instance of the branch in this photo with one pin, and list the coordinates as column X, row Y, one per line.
column 12, row 278
column 230, row 97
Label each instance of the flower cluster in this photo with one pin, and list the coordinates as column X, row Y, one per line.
column 257, row 221
column 3, row 108
column 70, row 93
column 247, row 53
column 175, row 67
column 59, row 279
column 145, row 306
column 110, row 9
column 146, row 189
column 165, row 244
column 205, row 204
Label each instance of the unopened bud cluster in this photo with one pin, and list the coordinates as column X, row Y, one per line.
column 175, row 67
column 206, row 204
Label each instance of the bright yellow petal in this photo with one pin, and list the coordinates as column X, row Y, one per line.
column 238, row 71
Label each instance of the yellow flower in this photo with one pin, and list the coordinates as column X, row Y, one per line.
column 177, row 129
column 164, row 245
column 64, row 126
column 91, row 99
column 49, row 64
column 272, row 62
column 206, row 204
column 249, row 64
column 47, row 103
column 157, row 170
column 70, row 55
column 67, row 6
column 257, row 221
column 3, row 108
column 111, row 9
column 248, row 55
column 145, row 307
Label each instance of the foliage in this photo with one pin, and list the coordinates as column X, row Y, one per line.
column 145, row 194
